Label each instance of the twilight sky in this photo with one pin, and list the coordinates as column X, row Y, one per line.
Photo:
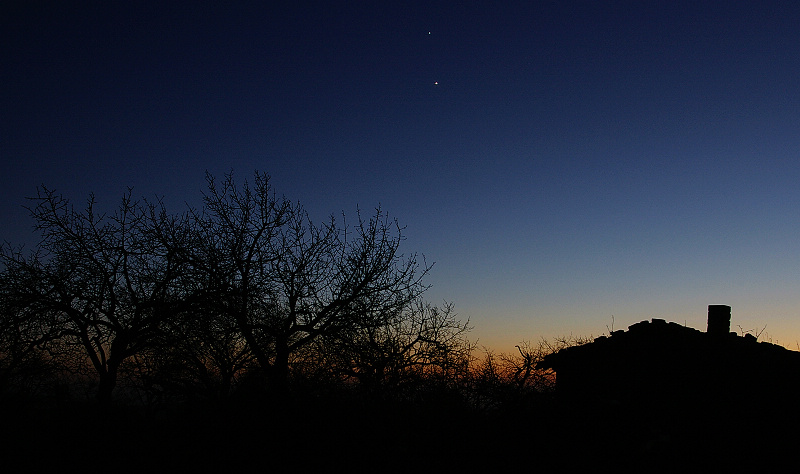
column 563, row 163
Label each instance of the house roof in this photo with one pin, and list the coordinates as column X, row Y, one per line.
column 671, row 343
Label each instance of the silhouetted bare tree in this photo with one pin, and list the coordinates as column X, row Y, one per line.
column 287, row 281
column 101, row 284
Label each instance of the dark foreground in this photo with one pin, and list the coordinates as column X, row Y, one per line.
column 344, row 435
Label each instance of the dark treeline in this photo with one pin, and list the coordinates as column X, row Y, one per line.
column 243, row 298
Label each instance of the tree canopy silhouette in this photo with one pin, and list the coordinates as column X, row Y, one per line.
column 197, row 298
column 287, row 281
column 99, row 285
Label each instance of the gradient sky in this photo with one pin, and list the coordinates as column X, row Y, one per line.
column 565, row 164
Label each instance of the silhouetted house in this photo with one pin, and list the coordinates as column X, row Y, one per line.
column 656, row 362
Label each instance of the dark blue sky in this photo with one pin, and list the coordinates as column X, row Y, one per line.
column 561, row 162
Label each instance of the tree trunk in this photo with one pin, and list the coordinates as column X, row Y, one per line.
column 279, row 373
column 108, row 381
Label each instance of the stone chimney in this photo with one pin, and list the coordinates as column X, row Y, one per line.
column 719, row 319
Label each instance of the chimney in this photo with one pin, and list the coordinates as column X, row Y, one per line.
column 719, row 319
